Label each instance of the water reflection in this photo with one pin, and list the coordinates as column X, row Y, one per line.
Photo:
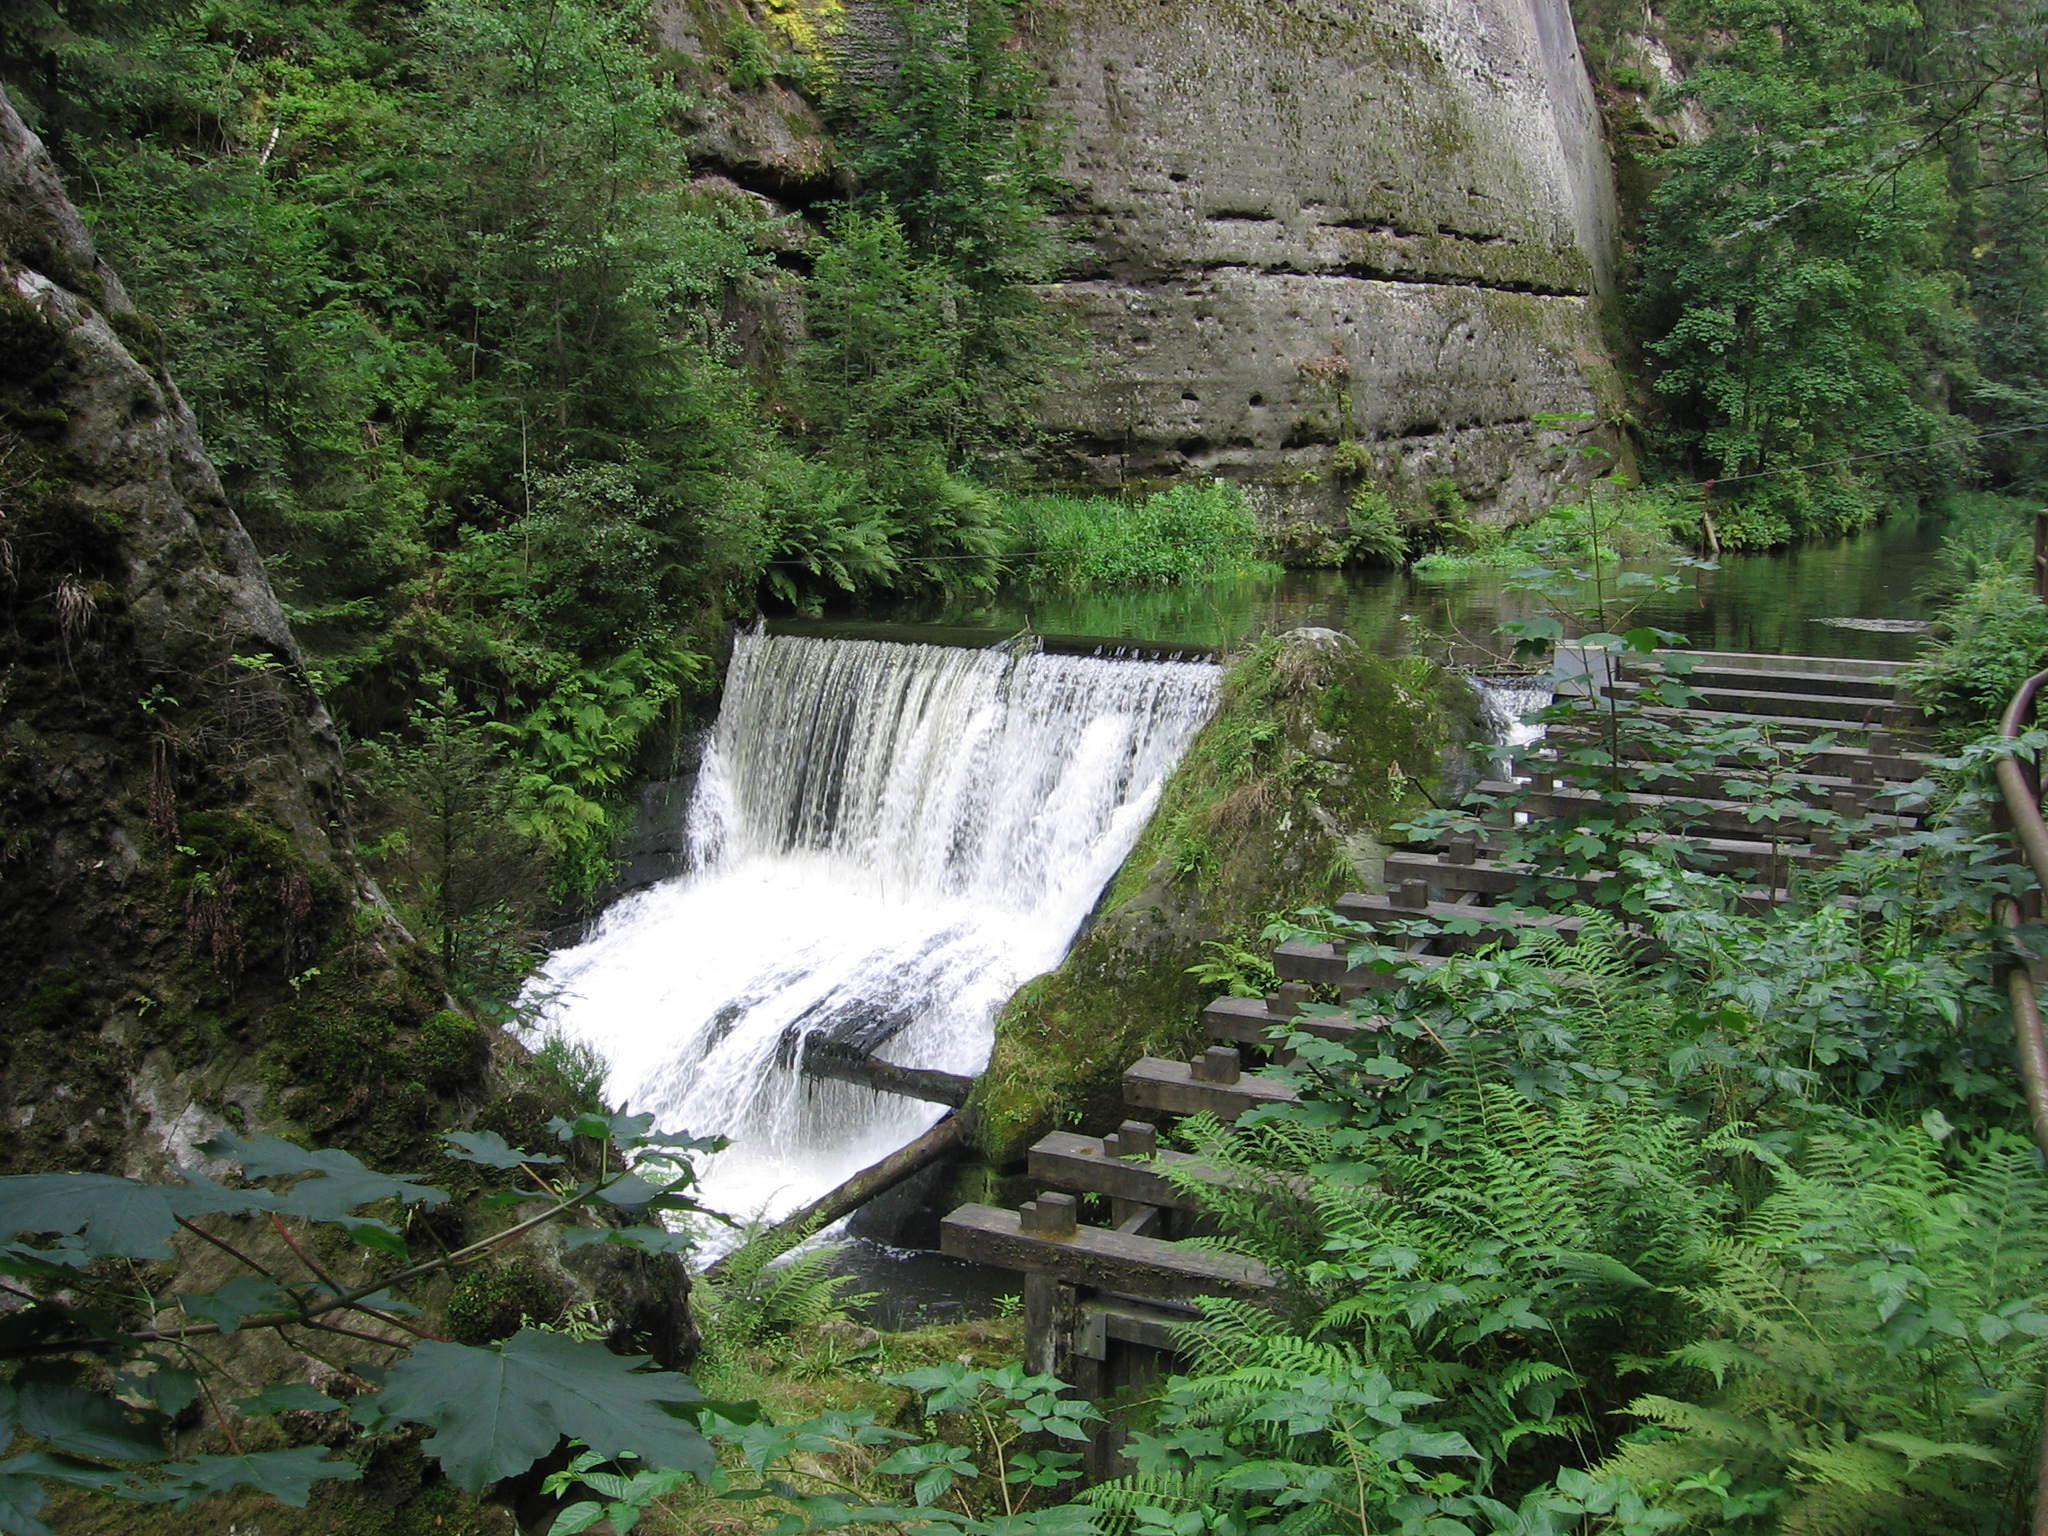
column 1771, row 602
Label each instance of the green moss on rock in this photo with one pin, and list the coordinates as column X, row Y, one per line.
column 1316, row 750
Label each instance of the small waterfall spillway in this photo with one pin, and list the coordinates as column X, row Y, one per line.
column 1503, row 702
column 887, row 841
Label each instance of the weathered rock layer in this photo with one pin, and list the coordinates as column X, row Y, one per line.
column 1374, row 221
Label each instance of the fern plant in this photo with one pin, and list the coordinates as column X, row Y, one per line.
column 1873, row 1344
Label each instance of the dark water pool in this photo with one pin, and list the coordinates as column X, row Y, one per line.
column 1774, row 602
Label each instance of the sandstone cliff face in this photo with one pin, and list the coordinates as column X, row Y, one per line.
column 1386, row 221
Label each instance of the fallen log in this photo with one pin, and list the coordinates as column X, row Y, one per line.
column 873, row 1180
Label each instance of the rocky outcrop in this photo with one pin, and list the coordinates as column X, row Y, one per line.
column 1283, row 801
column 191, row 944
column 1386, row 222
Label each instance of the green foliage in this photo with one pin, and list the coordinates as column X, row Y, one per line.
column 1191, row 532
column 494, row 1409
column 1625, row 526
column 1994, row 637
column 1796, row 283
column 495, row 1412
column 759, row 1292
column 1377, row 533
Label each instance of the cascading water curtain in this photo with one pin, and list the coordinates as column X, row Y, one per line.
column 888, row 840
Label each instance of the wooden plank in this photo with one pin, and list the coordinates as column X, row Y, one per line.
column 1247, row 1020
column 1067, row 1161
column 1101, row 1319
column 1801, row 706
column 1837, row 666
column 1841, row 760
column 1485, row 877
column 1093, row 1259
column 1790, row 728
column 1494, row 924
column 1325, row 965
column 1728, row 817
column 1787, row 680
column 1170, row 1086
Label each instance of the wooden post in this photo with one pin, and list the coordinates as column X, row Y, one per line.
column 2041, row 554
column 1135, row 1138
column 1412, row 895
column 1218, row 1064
column 1048, row 1324
column 1050, row 1215
column 1462, row 849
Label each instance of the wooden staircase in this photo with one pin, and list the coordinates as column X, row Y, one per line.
column 1101, row 1300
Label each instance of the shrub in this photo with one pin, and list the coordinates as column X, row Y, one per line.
column 1995, row 638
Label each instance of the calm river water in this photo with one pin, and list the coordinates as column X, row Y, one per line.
column 1773, row 602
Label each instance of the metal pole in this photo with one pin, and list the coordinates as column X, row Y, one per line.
column 2023, row 806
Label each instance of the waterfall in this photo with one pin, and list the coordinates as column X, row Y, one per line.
column 1503, row 702
column 887, row 841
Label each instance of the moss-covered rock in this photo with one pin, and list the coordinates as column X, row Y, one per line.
column 1317, row 750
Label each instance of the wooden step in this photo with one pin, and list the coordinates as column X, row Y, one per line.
column 1804, row 706
column 1171, row 1087
column 1466, row 926
column 1067, row 1161
column 1481, row 877
column 1251, row 1020
column 1788, row 680
column 1851, row 764
column 1866, row 667
column 1326, row 965
column 1102, row 1260
column 1756, row 858
column 1682, row 813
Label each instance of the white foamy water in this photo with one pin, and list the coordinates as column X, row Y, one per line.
column 1502, row 704
column 888, row 840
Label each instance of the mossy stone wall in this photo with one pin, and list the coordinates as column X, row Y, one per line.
column 1317, row 750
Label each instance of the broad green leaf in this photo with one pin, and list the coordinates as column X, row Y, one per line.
column 170, row 1388
column 21, row 1501
column 109, row 1217
column 86, row 1423
column 380, row 1236
column 287, row 1476
column 496, row 1411
column 285, row 1396
column 246, row 1296
column 645, row 1239
column 578, row 1517
column 340, row 1183
column 491, row 1150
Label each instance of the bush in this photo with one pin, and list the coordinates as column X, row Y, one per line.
column 1194, row 531
column 1995, row 638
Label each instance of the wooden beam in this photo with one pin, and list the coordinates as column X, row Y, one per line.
column 1171, row 1086
column 1096, row 1260
column 873, row 1180
column 1247, row 1020
column 1067, row 1161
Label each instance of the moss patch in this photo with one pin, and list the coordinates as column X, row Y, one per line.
column 1317, row 748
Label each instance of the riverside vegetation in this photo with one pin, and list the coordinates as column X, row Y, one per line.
column 1737, row 1232
column 456, row 320
column 1742, row 1238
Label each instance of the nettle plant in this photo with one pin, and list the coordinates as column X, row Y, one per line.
column 106, row 1355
